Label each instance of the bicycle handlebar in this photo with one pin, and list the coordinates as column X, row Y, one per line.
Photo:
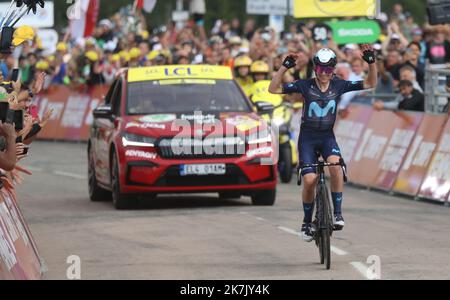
column 341, row 163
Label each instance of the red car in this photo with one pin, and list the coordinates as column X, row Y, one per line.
column 180, row 129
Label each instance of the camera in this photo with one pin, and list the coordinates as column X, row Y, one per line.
column 6, row 40
column 9, row 116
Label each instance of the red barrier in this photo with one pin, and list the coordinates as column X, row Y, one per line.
column 436, row 184
column 383, row 147
column 72, row 116
column 419, row 156
column 19, row 258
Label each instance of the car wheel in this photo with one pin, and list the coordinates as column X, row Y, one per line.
column 285, row 166
column 96, row 193
column 264, row 198
column 121, row 201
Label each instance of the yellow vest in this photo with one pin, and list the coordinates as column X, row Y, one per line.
column 246, row 84
column 260, row 92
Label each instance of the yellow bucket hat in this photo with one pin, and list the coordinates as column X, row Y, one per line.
column 135, row 53
column 42, row 65
column 61, row 46
column 92, row 55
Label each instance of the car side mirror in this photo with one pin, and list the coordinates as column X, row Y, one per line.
column 264, row 107
column 103, row 112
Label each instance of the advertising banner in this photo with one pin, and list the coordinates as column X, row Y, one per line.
column 334, row 8
column 436, row 184
column 419, row 155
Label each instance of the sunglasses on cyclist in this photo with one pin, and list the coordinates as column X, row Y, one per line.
column 326, row 70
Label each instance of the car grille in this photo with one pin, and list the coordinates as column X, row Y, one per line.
column 189, row 148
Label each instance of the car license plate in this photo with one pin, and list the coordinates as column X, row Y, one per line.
column 203, row 169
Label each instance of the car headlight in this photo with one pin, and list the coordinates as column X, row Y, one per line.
column 129, row 139
column 259, row 137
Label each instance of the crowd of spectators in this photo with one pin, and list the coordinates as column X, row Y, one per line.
column 403, row 49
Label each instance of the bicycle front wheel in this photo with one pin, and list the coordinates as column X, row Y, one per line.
column 325, row 237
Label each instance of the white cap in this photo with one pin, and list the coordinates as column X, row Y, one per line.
column 395, row 37
column 157, row 47
column 80, row 42
column 244, row 50
column 382, row 17
column 377, row 46
column 106, row 22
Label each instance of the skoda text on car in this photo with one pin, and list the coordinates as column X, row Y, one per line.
column 179, row 129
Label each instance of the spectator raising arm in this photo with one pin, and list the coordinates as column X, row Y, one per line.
column 8, row 157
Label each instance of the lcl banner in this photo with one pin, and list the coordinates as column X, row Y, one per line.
column 415, row 165
column 436, row 184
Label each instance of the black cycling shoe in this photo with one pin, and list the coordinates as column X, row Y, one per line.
column 307, row 232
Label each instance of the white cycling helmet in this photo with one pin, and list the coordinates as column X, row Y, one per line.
column 325, row 57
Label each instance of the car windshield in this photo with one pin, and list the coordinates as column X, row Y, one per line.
column 183, row 95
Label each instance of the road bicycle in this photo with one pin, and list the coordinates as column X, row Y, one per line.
column 323, row 217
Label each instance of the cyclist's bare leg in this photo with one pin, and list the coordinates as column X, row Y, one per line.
column 337, row 178
column 309, row 187
column 337, row 187
column 308, row 195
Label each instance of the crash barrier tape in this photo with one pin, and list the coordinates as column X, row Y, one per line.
column 72, row 116
column 404, row 152
column 19, row 256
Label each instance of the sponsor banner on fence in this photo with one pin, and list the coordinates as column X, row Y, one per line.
column 72, row 115
column 349, row 130
column 374, row 163
column 18, row 255
column 436, row 184
column 419, row 156
column 397, row 148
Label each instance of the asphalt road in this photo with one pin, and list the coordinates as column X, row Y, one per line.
column 202, row 237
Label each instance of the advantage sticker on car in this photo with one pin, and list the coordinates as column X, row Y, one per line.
column 203, row 169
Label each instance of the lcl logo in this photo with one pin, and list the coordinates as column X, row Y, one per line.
column 179, row 72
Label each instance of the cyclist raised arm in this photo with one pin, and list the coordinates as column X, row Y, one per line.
column 290, row 61
column 321, row 96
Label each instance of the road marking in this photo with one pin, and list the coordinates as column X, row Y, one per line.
column 256, row 217
column 71, row 175
column 360, row 267
column 338, row 251
column 288, row 230
column 334, row 249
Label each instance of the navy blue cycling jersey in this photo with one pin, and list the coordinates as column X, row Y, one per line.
column 320, row 108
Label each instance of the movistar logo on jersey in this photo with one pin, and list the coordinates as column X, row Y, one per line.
column 321, row 112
